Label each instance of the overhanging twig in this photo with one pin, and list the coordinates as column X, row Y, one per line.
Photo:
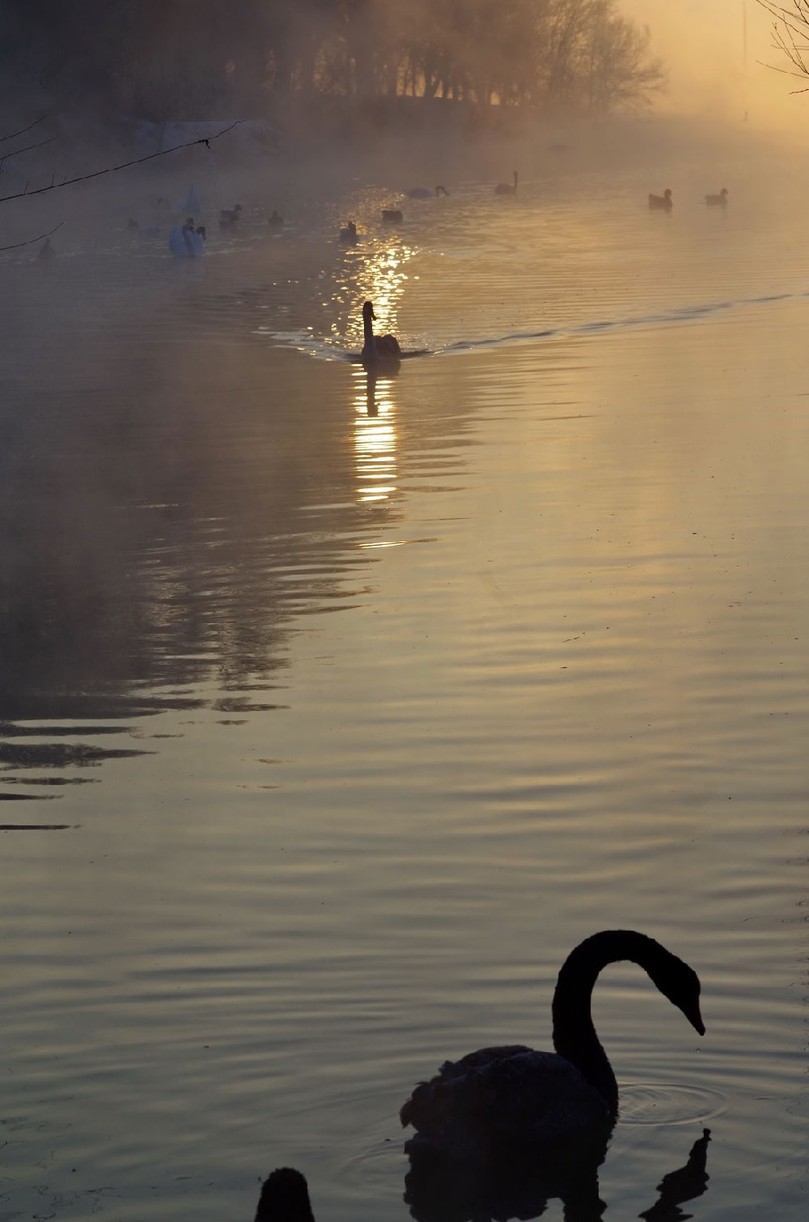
column 30, row 241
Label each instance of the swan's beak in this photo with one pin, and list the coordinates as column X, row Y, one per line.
column 694, row 1017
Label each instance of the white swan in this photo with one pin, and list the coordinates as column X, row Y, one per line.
column 512, row 1098
column 186, row 242
column 284, row 1197
column 376, row 348
column 507, row 188
column 663, row 201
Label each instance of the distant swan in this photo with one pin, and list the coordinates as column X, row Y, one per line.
column 348, row 234
column 186, row 242
column 507, row 188
column 376, row 347
column 718, row 200
column 513, row 1097
column 284, row 1198
column 229, row 216
column 662, row 201
column 392, row 216
column 276, row 221
column 426, row 193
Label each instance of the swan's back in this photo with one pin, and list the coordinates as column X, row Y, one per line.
column 502, row 1099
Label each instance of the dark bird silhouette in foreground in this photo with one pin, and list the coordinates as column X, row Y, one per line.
column 348, row 235
column 507, row 188
column 662, row 202
column 426, row 193
column 377, row 348
column 284, row 1198
column 717, row 201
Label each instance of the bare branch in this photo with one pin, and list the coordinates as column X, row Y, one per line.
column 23, row 130
column 55, row 186
column 7, row 156
column 30, row 241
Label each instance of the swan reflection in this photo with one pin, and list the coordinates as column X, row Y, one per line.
column 443, row 1191
column 375, row 436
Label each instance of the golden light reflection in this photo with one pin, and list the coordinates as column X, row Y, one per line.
column 375, row 438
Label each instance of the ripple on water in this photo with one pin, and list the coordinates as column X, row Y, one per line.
column 658, row 1103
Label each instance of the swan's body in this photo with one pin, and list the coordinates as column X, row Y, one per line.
column 507, row 188
column 663, row 201
column 392, row 216
column 348, row 234
column 186, row 242
column 514, row 1098
column 284, row 1198
column 229, row 216
column 376, row 348
column 719, row 200
column 426, row 193
column 276, row 221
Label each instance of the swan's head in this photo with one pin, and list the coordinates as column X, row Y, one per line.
column 284, row 1198
column 368, row 311
column 680, row 983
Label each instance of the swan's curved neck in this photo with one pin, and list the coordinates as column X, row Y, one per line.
column 574, row 1036
column 369, row 343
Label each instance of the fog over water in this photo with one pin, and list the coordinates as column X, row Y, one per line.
column 339, row 704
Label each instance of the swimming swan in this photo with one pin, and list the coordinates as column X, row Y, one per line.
column 229, row 216
column 719, row 200
column 662, row 201
column 348, row 234
column 426, row 193
column 284, row 1198
column 376, row 347
column 186, row 242
column 392, row 216
column 512, row 1098
column 507, row 188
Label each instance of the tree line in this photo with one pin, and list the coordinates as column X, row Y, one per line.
column 199, row 59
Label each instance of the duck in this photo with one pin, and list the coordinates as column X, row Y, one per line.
column 507, row 188
column 392, row 216
column 719, row 200
column 276, row 221
column 426, row 193
column 376, row 348
column 348, row 234
column 284, row 1197
column 229, row 216
column 513, row 1098
column 663, row 201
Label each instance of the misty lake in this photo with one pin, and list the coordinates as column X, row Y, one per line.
column 336, row 710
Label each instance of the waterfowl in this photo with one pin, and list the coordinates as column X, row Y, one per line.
column 186, row 242
column 662, row 201
column 284, row 1198
column 507, row 188
column 229, row 216
column 392, row 216
column 376, row 348
column 426, row 193
column 719, row 200
column 276, row 221
column 514, row 1098
column 348, row 235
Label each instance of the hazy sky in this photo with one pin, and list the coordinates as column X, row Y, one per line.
column 702, row 42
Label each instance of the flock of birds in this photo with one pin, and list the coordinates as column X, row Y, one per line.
column 503, row 1112
column 665, row 202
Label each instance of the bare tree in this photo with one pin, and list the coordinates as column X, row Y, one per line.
column 790, row 30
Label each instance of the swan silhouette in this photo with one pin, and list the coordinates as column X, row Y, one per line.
column 513, row 1098
column 229, row 216
column 507, row 188
column 719, row 200
column 376, row 348
column 186, row 242
column 426, row 193
column 284, row 1197
column 348, row 234
column 392, row 216
column 663, row 201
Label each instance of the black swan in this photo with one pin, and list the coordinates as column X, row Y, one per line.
column 348, row 234
column 284, row 1198
column 718, row 200
column 376, row 348
column 426, row 193
column 662, row 201
column 507, row 188
column 513, row 1097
